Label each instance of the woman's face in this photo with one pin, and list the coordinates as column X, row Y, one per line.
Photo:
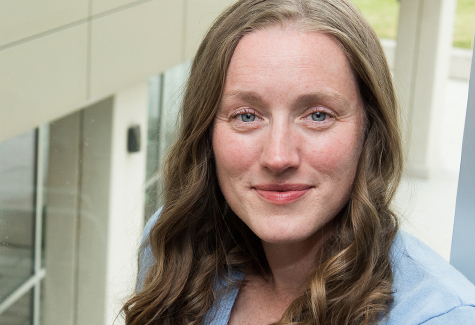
column 288, row 133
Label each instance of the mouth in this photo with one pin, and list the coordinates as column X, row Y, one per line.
column 282, row 193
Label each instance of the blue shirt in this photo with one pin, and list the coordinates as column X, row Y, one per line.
column 427, row 289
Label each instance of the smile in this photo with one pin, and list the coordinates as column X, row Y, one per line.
column 282, row 194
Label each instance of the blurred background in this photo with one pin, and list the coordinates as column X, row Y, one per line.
column 89, row 95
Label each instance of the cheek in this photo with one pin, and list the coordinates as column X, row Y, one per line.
column 337, row 154
column 233, row 153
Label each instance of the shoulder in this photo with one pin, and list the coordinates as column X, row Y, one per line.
column 226, row 296
column 427, row 289
column 146, row 258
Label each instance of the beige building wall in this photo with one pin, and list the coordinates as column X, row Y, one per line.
column 61, row 55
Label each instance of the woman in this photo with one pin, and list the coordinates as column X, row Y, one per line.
column 278, row 190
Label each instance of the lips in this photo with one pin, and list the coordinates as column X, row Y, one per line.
column 282, row 193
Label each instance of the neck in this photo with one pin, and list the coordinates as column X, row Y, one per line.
column 292, row 264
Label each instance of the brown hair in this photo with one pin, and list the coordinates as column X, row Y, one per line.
column 198, row 240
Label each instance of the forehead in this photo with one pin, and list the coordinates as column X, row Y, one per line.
column 277, row 43
column 279, row 36
column 291, row 62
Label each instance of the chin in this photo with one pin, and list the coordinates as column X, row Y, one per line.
column 288, row 234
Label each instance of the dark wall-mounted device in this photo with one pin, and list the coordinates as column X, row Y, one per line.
column 133, row 139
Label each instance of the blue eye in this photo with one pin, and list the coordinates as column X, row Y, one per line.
column 319, row 116
column 248, row 117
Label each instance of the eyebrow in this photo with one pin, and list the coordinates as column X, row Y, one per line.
column 304, row 99
column 308, row 99
column 247, row 96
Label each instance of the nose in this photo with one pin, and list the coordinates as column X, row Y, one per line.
column 280, row 151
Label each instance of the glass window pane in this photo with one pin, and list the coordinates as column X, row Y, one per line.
column 17, row 210
column 151, row 200
column 165, row 98
column 153, row 136
column 20, row 313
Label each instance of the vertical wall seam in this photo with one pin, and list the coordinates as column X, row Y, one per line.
column 414, row 70
column 89, row 51
column 184, row 31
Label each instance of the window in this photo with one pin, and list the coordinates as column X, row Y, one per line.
column 22, row 175
column 165, row 98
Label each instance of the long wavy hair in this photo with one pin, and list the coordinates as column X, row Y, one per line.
column 198, row 240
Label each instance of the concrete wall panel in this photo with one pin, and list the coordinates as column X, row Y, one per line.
column 200, row 14
column 126, row 204
column 62, row 221
column 94, row 212
column 42, row 80
column 23, row 18
column 129, row 46
column 100, row 6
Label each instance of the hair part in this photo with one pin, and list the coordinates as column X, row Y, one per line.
column 199, row 240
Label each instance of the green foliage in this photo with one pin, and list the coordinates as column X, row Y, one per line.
column 465, row 24
column 383, row 15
